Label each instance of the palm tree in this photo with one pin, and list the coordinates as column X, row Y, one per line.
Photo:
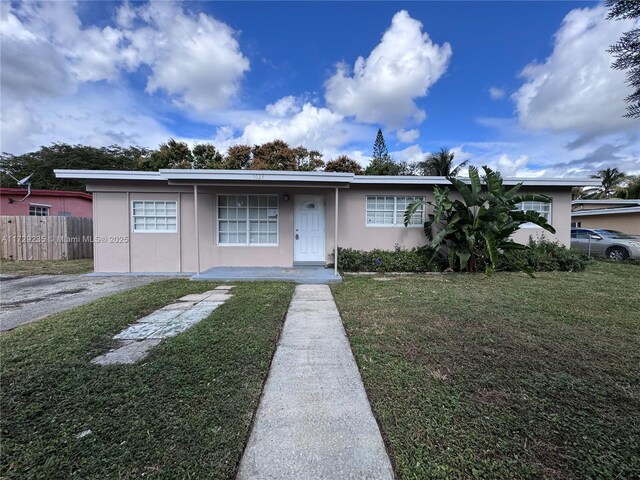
column 440, row 164
column 611, row 178
column 631, row 188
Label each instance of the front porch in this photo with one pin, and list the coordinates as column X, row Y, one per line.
column 308, row 275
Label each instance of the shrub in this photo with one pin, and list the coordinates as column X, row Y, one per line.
column 397, row 260
column 544, row 256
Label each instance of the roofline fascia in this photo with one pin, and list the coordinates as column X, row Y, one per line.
column 605, row 211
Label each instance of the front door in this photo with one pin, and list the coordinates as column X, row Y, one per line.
column 309, row 230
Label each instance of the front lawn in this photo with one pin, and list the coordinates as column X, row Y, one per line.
column 46, row 267
column 502, row 377
column 184, row 412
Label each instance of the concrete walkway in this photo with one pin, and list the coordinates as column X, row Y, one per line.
column 314, row 420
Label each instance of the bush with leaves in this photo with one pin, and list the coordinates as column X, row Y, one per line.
column 544, row 256
column 398, row 260
column 474, row 232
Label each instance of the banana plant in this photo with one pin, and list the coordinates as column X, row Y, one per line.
column 476, row 229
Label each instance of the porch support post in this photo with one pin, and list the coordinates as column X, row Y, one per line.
column 195, row 203
column 335, row 239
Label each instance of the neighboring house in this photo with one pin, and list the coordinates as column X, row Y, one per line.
column 192, row 220
column 611, row 214
column 45, row 203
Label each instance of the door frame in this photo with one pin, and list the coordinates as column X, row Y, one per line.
column 298, row 200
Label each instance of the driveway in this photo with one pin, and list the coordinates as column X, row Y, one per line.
column 27, row 299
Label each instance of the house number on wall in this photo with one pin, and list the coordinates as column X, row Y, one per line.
column 258, row 177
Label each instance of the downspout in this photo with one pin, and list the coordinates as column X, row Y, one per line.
column 195, row 203
column 335, row 239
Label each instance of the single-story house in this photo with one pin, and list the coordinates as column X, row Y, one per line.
column 192, row 220
column 610, row 214
column 44, row 203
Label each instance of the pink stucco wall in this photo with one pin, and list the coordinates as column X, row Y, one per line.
column 78, row 204
column 176, row 252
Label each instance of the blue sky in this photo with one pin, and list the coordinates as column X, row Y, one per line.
column 524, row 87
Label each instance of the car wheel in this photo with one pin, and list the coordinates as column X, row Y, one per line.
column 617, row 254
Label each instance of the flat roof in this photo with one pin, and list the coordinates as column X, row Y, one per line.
column 605, row 211
column 41, row 193
column 270, row 176
column 608, row 201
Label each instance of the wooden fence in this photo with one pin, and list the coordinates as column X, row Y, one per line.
column 46, row 238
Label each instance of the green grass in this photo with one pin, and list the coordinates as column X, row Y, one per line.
column 502, row 377
column 184, row 412
column 46, row 267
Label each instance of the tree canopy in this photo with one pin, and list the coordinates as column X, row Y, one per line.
column 440, row 164
column 626, row 51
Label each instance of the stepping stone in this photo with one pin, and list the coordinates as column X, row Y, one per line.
column 127, row 354
column 195, row 297
column 218, row 297
column 138, row 331
column 224, row 287
column 160, row 316
column 179, row 306
column 171, row 330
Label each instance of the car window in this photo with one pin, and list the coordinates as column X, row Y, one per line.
column 580, row 234
column 613, row 234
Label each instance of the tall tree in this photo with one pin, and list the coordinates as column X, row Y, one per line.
column 275, row 155
column 440, row 164
column 627, row 50
column 172, row 154
column 381, row 163
column 42, row 162
column 307, row 160
column 630, row 189
column 238, row 157
column 205, row 155
column 343, row 164
column 611, row 179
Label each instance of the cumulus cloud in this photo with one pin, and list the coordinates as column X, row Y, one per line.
column 496, row 93
column 408, row 136
column 195, row 59
column 575, row 89
column 382, row 88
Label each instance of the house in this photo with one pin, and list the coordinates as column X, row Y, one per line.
column 611, row 214
column 14, row 201
column 193, row 220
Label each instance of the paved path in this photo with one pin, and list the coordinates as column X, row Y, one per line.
column 314, row 420
column 27, row 299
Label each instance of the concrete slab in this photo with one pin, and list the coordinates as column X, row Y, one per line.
column 179, row 306
column 160, row 316
column 224, row 287
column 196, row 297
column 314, row 419
column 138, row 331
column 306, row 275
column 127, row 354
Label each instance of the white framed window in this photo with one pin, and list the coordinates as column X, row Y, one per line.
column 542, row 208
column 154, row 216
column 39, row 210
column 248, row 220
column 388, row 211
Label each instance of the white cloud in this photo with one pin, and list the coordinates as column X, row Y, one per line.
column 382, row 87
column 283, row 107
column 575, row 89
column 496, row 93
column 408, row 136
column 195, row 59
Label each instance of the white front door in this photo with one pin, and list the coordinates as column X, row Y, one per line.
column 308, row 243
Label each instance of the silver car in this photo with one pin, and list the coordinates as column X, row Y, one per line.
column 611, row 244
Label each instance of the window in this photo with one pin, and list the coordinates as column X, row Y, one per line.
column 542, row 208
column 154, row 216
column 389, row 211
column 248, row 220
column 576, row 224
column 38, row 211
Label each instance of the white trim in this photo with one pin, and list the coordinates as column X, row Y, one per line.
column 610, row 201
column 395, row 202
column 133, row 217
column 419, row 180
column 255, row 175
column 247, row 244
column 605, row 211
column 40, row 205
column 269, row 176
column 107, row 174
